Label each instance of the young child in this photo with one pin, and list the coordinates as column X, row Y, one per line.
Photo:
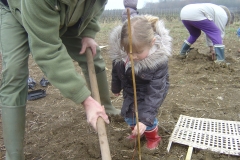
column 151, row 48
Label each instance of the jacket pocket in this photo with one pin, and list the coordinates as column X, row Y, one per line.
column 17, row 14
column 146, row 76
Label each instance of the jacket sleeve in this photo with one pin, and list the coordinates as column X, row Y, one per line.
column 91, row 29
column 116, row 82
column 156, row 92
column 42, row 26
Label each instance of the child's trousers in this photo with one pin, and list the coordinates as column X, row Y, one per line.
column 132, row 122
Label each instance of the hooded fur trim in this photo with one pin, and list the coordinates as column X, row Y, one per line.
column 159, row 53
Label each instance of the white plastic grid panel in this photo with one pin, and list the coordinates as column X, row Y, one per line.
column 215, row 135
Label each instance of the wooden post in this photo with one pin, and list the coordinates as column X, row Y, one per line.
column 133, row 79
column 189, row 153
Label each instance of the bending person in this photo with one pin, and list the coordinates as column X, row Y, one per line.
column 212, row 20
column 55, row 32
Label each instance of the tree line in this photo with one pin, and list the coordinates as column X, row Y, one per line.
column 163, row 4
column 170, row 13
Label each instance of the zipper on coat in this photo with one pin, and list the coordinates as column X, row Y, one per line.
column 56, row 5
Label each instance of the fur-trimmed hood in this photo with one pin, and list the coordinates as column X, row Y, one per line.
column 159, row 53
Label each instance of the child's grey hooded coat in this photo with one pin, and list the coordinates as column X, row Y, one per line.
column 151, row 75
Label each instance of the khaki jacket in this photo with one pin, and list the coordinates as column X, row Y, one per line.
column 60, row 13
column 45, row 22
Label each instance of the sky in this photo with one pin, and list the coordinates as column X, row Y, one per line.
column 118, row 4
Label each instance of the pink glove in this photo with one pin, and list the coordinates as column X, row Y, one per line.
column 142, row 129
column 212, row 52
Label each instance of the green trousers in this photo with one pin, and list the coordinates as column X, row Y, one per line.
column 13, row 88
column 15, row 52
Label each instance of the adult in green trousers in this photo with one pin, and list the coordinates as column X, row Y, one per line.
column 54, row 32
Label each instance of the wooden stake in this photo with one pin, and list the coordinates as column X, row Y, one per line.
column 133, row 78
column 189, row 153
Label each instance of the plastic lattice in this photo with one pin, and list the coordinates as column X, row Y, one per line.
column 215, row 135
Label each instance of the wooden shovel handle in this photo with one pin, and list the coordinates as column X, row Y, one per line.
column 102, row 135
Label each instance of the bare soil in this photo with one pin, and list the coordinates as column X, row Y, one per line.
column 56, row 129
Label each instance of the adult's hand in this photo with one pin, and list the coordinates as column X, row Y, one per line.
column 142, row 128
column 93, row 111
column 89, row 42
column 212, row 52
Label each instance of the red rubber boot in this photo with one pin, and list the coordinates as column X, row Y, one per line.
column 153, row 139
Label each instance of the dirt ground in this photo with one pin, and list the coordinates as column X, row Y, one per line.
column 56, row 129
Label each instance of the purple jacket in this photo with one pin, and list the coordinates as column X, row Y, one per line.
column 132, row 5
